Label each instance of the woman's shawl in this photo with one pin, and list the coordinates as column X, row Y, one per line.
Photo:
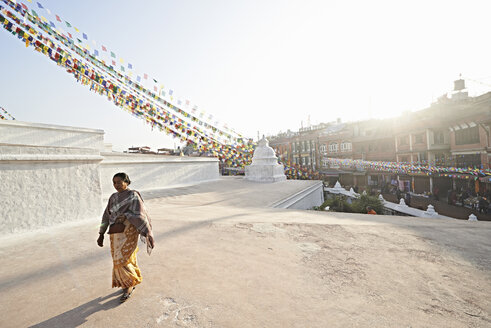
column 130, row 204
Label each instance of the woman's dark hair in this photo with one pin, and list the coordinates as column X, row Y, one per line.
column 123, row 176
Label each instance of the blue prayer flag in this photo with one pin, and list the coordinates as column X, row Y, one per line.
column 85, row 36
column 52, row 24
column 130, row 66
column 96, row 52
column 138, row 78
column 39, row 5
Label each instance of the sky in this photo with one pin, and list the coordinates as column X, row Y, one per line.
column 260, row 66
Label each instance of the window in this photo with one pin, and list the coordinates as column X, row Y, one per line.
column 293, row 147
column 372, row 147
column 439, row 138
column 418, row 138
column 467, row 136
column 323, row 148
column 303, row 145
column 346, row 146
column 404, row 141
column 333, row 147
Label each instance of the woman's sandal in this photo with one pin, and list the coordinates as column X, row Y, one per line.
column 126, row 295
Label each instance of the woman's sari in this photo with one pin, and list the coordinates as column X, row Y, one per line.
column 124, row 247
column 126, row 207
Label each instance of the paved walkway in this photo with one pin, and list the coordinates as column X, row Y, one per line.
column 224, row 259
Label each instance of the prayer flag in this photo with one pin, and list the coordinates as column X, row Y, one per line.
column 121, row 60
column 113, row 54
column 130, row 66
column 154, row 80
column 39, row 5
column 24, row 6
column 52, row 24
column 34, row 13
column 138, row 78
column 114, row 63
column 96, row 52
column 58, row 18
column 103, row 48
column 155, row 88
column 49, row 12
column 79, row 40
column 30, row 1
column 122, row 68
column 84, row 36
column 145, row 76
column 70, row 35
column 171, row 92
column 68, row 24
column 76, row 29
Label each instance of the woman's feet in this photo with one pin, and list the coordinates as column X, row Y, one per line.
column 126, row 294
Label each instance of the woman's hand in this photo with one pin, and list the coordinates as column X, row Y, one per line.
column 100, row 240
column 151, row 241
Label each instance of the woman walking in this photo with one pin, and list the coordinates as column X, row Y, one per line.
column 126, row 217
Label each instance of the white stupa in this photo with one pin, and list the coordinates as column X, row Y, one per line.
column 264, row 166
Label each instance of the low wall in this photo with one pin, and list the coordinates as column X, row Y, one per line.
column 304, row 200
column 156, row 172
column 52, row 174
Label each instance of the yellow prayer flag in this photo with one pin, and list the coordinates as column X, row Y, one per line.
column 121, row 60
column 76, row 29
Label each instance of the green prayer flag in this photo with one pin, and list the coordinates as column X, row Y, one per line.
column 122, row 68
column 113, row 54
column 68, row 24
column 34, row 13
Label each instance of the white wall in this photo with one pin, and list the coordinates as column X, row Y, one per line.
column 36, row 134
column 158, row 171
column 42, row 186
column 52, row 174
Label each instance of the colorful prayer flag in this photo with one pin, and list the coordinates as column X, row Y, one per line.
column 68, row 24
column 58, row 18
column 25, row 7
column 138, row 78
column 40, row 6
column 113, row 54
column 84, row 36
column 52, row 24
column 130, row 66
column 103, row 48
column 145, row 76
column 96, row 52
column 34, row 13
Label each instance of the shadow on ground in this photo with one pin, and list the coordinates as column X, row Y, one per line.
column 79, row 315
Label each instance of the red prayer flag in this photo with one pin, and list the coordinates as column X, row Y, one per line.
column 155, row 88
column 114, row 63
column 25, row 7
column 58, row 18
column 104, row 48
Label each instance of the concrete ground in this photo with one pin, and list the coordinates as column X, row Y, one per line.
column 224, row 259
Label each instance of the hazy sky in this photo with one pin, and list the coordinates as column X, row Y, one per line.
column 258, row 65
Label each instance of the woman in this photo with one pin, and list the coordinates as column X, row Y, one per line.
column 126, row 217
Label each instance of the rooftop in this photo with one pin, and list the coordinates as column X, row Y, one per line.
column 225, row 258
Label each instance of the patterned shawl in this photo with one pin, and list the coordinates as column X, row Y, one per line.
column 130, row 204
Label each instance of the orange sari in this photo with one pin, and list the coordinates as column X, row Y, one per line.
column 124, row 247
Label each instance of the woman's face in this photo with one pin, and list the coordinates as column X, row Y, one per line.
column 119, row 184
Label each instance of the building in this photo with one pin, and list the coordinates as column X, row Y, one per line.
column 454, row 132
